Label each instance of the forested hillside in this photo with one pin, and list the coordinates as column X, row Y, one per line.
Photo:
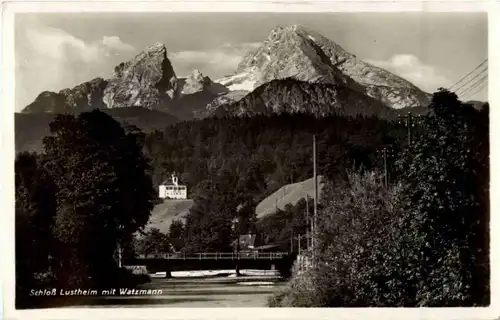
column 280, row 145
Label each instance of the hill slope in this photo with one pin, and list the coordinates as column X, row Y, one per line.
column 164, row 213
column 288, row 194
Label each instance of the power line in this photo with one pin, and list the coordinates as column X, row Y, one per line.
column 467, row 88
column 471, row 92
column 474, row 85
column 471, row 80
column 471, row 95
column 469, row 73
column 486, row 60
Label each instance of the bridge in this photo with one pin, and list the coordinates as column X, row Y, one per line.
column 217, row 256
column 168, row 262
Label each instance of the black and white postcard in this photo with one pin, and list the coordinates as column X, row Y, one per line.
column 189, row 157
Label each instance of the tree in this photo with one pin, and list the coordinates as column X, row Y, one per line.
column 446, row 171
column 279, row 227
column 153, row 243
column 104, row 191
column 72, row 234
column 176, row 234
column 209, row 222
column 35, row 208
column 249, row 190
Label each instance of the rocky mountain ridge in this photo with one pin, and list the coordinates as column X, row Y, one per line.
column 295, row 96
column 294, row 52
column 83, row 97
column 148, row 81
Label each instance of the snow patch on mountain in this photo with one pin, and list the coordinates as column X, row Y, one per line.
column 246, row 81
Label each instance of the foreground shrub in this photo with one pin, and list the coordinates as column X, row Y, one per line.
column 300, row 292
column 357, row 232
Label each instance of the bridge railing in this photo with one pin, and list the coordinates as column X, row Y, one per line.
column 217, row 256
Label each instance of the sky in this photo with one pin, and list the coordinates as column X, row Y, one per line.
column 54, row 51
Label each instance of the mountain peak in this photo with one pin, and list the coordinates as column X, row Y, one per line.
column 297, row 52
column 196, row 74
column 154, row 51
column 156, row 47
column 195, row 82
column 287, row 52
column 297, row 28
column 289, row 28
column 279, row 32
column 148, row 80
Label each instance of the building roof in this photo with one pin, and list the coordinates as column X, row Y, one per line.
column 247, row 241
column 266, row 247
column 167, row 181
column 170, row 182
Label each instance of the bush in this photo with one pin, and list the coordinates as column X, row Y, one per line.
column 357, row 232
column 301, row 292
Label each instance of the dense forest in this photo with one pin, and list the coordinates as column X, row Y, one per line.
column 280, row 145
column 230, row 164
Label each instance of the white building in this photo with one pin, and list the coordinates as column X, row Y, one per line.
column 171, row 189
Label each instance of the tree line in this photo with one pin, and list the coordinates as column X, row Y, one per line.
column 279, row 145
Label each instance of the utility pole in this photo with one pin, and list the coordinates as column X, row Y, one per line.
column 315, row 218
column 119, row 249
column 308, row 223
column 236, row 226
column 299, row 244
column 385, row 166
column 409, row 123
column 299, row 256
